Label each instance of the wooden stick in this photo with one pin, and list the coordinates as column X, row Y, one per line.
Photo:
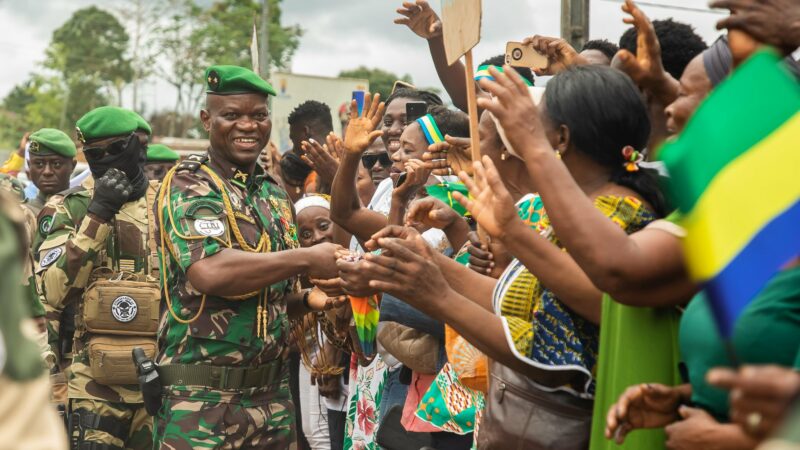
column 472, row 107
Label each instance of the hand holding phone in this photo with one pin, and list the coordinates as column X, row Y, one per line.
column 415, row 110
column 524, row 55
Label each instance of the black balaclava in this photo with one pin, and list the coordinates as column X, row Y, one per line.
column 130, row 161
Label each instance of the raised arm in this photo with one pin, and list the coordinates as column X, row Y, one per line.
column 346, row 209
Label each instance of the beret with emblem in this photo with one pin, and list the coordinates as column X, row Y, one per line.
column 109, row 121
column 49, row 141
column 231, row 80
column 160, row 152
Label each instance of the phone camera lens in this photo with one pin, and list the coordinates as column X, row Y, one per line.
column 516, row 54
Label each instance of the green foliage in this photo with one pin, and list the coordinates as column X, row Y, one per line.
column 380, row 81
column 228, row 28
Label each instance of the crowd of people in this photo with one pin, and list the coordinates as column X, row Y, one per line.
column 387, row 288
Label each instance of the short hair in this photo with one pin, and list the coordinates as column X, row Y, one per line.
column 314, row 114
column 679, row 44
column 414, row 94
column 605, row 112
column 603, row 46
column 452, row 122
column 500, row 60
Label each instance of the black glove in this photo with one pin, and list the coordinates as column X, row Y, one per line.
column 111, row 191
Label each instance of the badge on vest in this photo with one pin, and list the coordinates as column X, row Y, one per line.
column 51, row 257
column 124, row 308
column 209, row 227
column 46, row 224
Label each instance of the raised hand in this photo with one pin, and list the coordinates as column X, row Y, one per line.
column 361, row 130
column 560, row 54
column 321, row 158
column 111, row 191
column 489, row 203
column 449, row 157
column 773, row 22
column 420, row 18
column 513, row 106
column 642, row 406
column 645, row 68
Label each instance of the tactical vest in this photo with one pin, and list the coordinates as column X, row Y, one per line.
column 120, row 307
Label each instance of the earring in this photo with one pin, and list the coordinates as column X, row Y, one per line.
column 558, row 154
column 504, row 155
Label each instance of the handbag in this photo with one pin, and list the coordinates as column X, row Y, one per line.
column 521, row 415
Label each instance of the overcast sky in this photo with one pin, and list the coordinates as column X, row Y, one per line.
column 343, row 34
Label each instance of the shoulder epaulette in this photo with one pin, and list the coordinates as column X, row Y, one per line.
column 192, row 162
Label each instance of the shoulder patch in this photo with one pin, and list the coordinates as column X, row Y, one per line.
column 192, row 163
column 51, row 257
column 209, row 227
column 45, row 224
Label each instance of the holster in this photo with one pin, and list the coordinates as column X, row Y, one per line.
column 81, row 420
column 149, row 381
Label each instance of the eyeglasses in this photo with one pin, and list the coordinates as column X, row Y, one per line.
column 112, row 148
column 369, row 160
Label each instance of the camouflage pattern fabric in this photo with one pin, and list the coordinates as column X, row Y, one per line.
column 261, row 418
column 76, row 250
column 37, row 203
column 139, row 433
column 225, row 333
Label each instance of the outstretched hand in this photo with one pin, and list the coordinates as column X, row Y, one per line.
column 645, row 68
column 449, row 157
column 322, row 159
column 362, row 129
column 420, row 18
column 489, row 202
column 512, row 105
column 642, row 406
column 560, row 54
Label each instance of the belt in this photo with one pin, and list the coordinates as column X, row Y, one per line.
column 221, row 377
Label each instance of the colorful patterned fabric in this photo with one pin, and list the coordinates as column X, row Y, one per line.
column 544, row 332
column 432, row 133
column 457, row 393
column 364, row 400
column 365, row 316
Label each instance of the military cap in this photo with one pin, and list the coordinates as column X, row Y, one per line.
column 230, row 80
column 160, row 152
column 50, row 140
column 108, row 121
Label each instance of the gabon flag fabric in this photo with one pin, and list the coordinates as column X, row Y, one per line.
column 735, row 179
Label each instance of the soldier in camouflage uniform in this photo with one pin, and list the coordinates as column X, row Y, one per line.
column 230, row 264
column 24, row 396
column 51, row 161
column 101, row 236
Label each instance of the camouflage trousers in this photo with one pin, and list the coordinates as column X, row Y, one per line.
column 135, row 425
column 193, row 417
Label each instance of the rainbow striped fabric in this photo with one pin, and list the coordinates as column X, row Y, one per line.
column 365, row 316
column 735, row 178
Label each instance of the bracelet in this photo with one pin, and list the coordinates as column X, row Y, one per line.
column 305, row 299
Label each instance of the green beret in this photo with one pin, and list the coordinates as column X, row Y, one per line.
column 108, row 121
column 50, row 140
column 230, row 80
column 160, row 152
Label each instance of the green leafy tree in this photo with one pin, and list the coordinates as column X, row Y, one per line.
column 228, row 28
column 380, row 81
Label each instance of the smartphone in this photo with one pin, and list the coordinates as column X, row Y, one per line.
column 401, row 179
column 521, row 55
column 415, row 110
column 402, row 84
column 358, row 96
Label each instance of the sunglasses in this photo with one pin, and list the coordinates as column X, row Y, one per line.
column 112, row 148
column 369, row 160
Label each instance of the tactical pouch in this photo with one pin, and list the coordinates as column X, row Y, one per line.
column 110, row 358
column 127, row 308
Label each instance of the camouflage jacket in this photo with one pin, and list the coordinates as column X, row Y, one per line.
column 196, row 225
column 78, row 250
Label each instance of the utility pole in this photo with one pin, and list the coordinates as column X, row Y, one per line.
column 575, row 22
column 263, row 41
